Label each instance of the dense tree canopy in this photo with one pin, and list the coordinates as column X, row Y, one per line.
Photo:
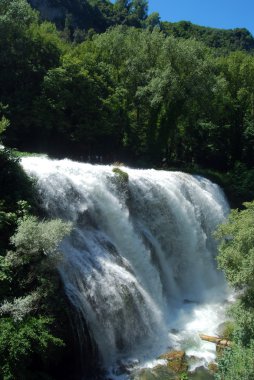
column 137, row 92
column 222, row 40
column 99, row 15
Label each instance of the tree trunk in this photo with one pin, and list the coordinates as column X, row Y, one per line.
column 219, row 341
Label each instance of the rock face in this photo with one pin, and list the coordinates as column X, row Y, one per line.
column 201, row 374
column 176, row 361
column 174, row 369
column 47, row 11
column 157, row 373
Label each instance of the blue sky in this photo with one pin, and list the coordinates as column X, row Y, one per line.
column 226, row 14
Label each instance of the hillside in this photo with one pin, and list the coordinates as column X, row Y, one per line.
column 92, row 14
column 228, row 40
column 81, row 16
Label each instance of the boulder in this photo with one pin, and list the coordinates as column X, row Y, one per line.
column 176, row 361
column 159, row 372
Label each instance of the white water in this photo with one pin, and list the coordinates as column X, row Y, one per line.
column 140, row 263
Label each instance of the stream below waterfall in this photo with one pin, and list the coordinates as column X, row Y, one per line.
column 139, row 265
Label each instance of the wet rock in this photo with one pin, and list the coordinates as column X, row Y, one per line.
column 173, row 355
column 174, row 331
column 212, row 367
column 200, row 373
column 159, row 372
column 126, row 366
column 186, row 301
column 176, row 361
column 193, row 361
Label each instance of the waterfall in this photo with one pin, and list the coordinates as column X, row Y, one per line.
column 139, row 265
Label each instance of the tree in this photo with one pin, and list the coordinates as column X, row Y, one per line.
column 4, row 123
column 238, row 71
column 27, row 50
column 152, row 21
column 76, row 103
column 236, row 252
column 26, row 312
column 140, row 9
column 236, row 259
column 16, row 14
column 224, row 41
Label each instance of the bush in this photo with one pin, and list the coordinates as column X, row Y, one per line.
column 121, row 175
column 15, row 185
column 23, row 342
column 236, row 364
column 30, row 299
column 236, row 258
column 236, row 251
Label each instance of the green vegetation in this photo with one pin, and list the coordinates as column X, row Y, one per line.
column 236, row 252
column 29, row 280
column 20, row 342
column 236, row 257
column 135, row 91
column 237, row 364
column 123, row 176
column 30, row 294
column 80, row 19
column 77, row 17
column 222, row 40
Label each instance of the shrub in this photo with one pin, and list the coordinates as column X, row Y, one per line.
column 121, row 175
column 23, row 342
column 236, row 364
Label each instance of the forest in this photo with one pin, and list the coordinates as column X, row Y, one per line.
column 88, row 78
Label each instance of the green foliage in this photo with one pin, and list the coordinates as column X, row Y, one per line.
column 4, row 123
column 236, row 252
column 123, row 176
column 5, row 271
column 33, row 239
column 100, row 15
column 243, row 313
column 15, row 186
column 82, row 111
column 22, row 342
column 16, row 13
column 236, row 364
column 27, row 50
column 240, row 182
column 14, row 183
column 152, row 21
column 93, row 14
column 135, row 91
column 29, row 287
column 222, row 40
column 236, row 258
column 30, row 294
column 120, row 180
column 19, row 154
column 228, row 330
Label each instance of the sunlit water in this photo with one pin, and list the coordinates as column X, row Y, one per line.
column 140, row 263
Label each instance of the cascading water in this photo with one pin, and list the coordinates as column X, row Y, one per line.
column 139, row 265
